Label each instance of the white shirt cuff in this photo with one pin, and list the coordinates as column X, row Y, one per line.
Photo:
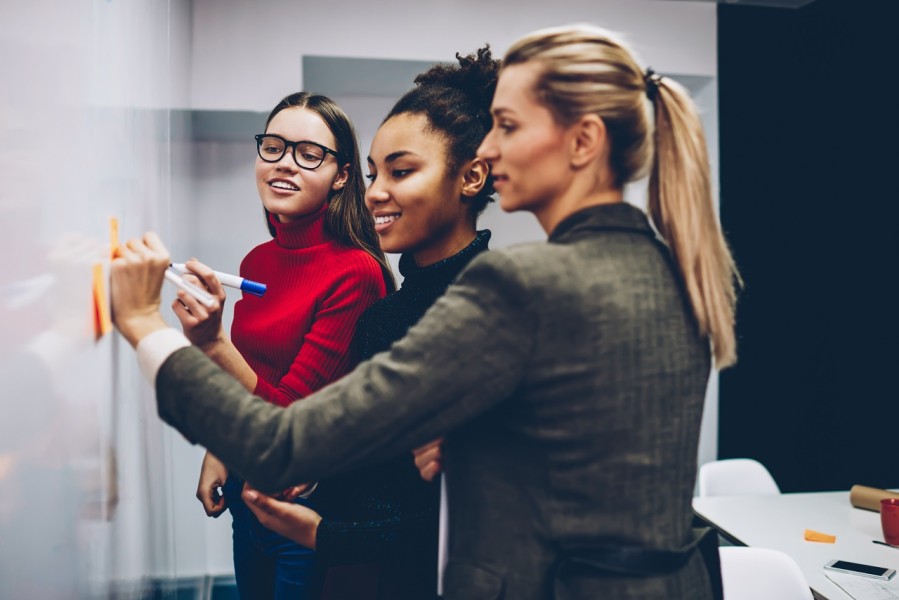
column 154, row 349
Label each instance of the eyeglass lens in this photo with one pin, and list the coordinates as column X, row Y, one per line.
column 308, row 156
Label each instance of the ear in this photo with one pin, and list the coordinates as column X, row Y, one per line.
column 474, row 176
column 342, row 176
column 589, row 140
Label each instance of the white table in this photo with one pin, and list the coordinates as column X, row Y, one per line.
column 779, row 522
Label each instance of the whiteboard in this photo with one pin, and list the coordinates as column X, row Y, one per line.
column 96, row 496
column 84, row 136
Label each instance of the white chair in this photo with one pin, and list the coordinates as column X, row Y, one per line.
column 736, row 477
column 761, row 574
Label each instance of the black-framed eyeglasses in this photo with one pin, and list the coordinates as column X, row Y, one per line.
column 308, row 155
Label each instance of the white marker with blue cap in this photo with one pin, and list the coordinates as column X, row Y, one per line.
column 235, row 281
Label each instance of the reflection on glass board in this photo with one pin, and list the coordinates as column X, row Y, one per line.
column 83, row 137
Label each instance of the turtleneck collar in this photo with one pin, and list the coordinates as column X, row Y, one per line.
column 305, row 232
column 445, row 270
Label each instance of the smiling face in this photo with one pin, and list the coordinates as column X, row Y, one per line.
column 416, row 202
column 285, row 189
column 526, row 147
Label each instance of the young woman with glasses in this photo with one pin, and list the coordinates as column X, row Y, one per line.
column 376, row 527
column 322, row 269
column 568, row 377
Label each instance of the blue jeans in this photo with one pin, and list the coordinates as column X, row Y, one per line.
column 267, row 565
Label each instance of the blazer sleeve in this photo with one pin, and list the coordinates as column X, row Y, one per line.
column 466, row 355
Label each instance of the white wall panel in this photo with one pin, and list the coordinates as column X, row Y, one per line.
column 247, row 53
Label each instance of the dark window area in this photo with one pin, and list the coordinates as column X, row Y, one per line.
column 810, row 204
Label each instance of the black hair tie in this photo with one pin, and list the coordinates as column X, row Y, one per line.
column 652, row 80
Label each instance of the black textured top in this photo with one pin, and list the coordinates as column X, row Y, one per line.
column 386, row 513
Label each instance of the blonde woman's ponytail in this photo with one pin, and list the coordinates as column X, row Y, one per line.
column 586, row 70
column 681, row 207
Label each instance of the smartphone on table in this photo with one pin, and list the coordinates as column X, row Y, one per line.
column 854, row 568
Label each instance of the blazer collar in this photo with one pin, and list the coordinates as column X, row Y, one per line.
column 619, row 216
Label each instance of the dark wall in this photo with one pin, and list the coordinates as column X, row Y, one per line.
column 809, row 203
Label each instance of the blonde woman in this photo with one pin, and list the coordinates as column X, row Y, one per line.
column 567, row 377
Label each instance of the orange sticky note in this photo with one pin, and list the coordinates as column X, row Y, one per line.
column 817, row 536
column 102, row 318
column 113, row 237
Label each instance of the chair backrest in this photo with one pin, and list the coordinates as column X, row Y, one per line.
column 761, row 574
column 736, row 477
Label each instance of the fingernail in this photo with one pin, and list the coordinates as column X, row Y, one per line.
column 251, row 496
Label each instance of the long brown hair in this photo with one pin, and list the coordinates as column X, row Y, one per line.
column 586, row 70
column 347, row 220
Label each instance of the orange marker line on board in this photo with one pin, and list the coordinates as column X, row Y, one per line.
column 113, row 238
column 102, row 318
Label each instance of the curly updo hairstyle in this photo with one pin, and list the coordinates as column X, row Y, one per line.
column 455, row 99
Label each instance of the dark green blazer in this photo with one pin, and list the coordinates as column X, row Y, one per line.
column 569, row 379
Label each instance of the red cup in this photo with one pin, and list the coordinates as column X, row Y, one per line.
column 889, row 519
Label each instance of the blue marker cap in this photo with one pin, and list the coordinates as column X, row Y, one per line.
column 252, row 287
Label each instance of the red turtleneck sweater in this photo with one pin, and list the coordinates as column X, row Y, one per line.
column 296, row 337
